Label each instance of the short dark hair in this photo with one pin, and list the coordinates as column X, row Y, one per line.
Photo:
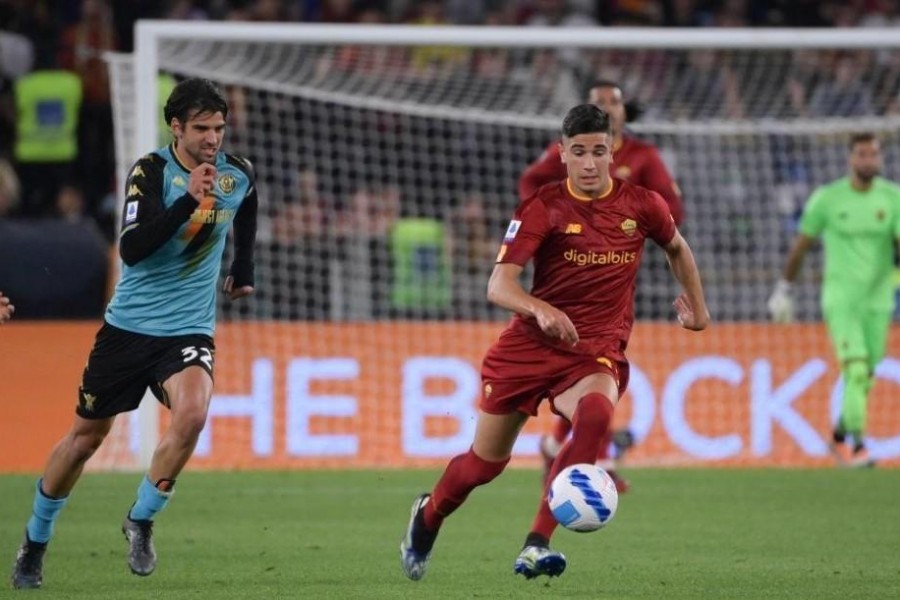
column 586, row 118
column 862, row 137
column 194, row 96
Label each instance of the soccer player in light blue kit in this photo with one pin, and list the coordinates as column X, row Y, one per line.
column 858, row 218
column 181, row 201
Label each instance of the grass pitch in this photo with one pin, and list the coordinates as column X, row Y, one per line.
column 694, row 533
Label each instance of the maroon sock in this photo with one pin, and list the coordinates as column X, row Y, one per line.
column 464, row 473
column 605, row 441
column 590, row 422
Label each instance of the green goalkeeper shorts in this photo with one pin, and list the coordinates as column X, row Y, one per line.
column 858, row 334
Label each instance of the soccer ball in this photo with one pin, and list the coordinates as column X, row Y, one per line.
column 583, row 497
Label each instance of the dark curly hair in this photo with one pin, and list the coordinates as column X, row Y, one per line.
column 194, row 96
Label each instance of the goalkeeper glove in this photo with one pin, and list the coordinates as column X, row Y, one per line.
column 781, row 302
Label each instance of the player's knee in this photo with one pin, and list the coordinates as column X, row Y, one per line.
column 856, row 372
column 189, row 420
column 85, row 443
column 190, row 424
column 593, row 413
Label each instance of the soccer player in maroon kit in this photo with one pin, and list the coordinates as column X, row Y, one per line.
column 635, row 161
column 566, row 342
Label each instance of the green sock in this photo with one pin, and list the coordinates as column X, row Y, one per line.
column 857, row 383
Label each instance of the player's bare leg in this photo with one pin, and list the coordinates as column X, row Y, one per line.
column 485, row 460
column 64, row 467
column 188, row 393
column 588, row 405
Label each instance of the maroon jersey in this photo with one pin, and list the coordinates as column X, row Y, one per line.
column 586, row 255
column 634, row 161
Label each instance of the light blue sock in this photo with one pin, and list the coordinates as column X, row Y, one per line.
column 150, row 501
column 43, row 515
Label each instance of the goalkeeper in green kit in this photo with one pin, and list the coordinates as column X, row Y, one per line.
column 858, row 218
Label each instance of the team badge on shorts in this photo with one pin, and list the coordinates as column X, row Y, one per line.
column 87, row 400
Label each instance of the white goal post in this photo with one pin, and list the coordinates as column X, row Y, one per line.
column 482, row 102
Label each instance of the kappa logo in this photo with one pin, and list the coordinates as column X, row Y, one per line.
column 134, row 191
column 87, row 401
column 179, row 181
column 226, row 183
column 629, row 226
column 573, row 228
column 138, row 171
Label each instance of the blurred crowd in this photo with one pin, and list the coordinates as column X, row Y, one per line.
column 72, row 179
column 72, row 35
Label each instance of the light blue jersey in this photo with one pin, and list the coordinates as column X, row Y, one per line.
column 173, row 290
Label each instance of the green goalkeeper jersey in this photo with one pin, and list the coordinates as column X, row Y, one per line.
column 858, row 230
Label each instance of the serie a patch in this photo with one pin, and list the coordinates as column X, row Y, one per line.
column 131, row 211
column 512, row 230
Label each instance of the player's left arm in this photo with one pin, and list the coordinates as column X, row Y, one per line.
column 660, row 227
column 240, row 280
column 656, row 177
column 691, row 304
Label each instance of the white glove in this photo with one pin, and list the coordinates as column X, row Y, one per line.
column 781, row 302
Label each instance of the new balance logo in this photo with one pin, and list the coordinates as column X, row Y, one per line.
column 573, row 228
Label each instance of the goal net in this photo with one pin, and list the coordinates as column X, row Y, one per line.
column 387, row 162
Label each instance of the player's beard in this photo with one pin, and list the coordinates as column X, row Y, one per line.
column 867, row 175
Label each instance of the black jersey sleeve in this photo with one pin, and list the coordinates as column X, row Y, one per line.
column 146, row 223
column 242, row 268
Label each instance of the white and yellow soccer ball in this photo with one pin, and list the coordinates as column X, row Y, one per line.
column 583, row 497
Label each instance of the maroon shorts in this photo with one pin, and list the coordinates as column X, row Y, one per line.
column 519, row 372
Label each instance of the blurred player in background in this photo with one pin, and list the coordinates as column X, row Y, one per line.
column 6, row 309
column 858, row 219
column 180, row 203
column 637, row 162
column 567, row 339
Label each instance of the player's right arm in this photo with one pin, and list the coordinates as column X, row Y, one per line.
column 781, row 302
column 6, row 309
column 528, row 229
column 505, row 290
column 546, row 169
column 147, row 224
